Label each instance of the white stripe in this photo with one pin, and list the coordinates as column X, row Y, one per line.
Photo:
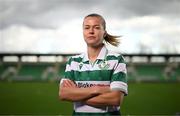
column 68, row 68
column 87, row 67
column 74, row 66
column 94, row 82
column 117, row 85
column 80, row 107
column 112, row 63
column 120, row 68
column 86, row 84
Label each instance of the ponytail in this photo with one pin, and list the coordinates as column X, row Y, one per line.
column 112, row 39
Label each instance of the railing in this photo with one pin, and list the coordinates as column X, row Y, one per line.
column 129, row 57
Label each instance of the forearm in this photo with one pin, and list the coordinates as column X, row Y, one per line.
column 76, row 94
column 70, row 92
column 114, row 98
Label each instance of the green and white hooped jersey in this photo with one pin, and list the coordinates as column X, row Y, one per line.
column 109, row 69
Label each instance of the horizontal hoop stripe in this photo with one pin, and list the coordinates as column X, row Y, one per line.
column 81, row 107
column 117, row 85
column 75, row 66
column 121, row 67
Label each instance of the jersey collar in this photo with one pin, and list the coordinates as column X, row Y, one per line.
column 101, row 56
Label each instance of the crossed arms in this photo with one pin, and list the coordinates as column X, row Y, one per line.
column 94, row 96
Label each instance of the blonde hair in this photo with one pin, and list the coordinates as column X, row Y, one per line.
column 112, row 39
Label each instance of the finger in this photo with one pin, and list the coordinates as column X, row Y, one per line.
column 64, row 84
column 72, row 83
column 67, row 84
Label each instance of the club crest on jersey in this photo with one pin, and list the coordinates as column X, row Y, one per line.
column 103, row 65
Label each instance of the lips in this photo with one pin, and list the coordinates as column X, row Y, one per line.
column 91, row 37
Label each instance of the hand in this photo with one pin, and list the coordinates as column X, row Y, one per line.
column 100, row 89
column 68, row 83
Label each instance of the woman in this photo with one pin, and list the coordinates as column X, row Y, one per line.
column 95, row 81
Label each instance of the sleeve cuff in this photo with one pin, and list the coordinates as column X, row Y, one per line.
column 121, row 86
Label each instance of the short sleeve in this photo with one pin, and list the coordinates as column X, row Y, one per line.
column 119, row 77
column 68, row 71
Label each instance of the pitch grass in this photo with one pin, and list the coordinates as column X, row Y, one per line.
column 34, row 98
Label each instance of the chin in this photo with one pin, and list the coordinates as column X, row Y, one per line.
column 94, row 44
column 91, row 42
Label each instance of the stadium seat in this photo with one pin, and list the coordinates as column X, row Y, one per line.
column 32, row 71
column 149, row 72
column 8, row 71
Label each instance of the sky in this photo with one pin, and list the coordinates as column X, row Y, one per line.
column 55, row 26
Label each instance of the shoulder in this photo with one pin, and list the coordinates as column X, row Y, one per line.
column 115, row 56
column 75, row 58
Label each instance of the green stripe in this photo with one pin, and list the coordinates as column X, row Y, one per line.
column 119, row 58
column 69, row 75
column 96, row 75
column 119, row 77
column 111, row 57
column 69, row 61
column 78, row 59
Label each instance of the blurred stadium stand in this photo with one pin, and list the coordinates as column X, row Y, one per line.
column 50, row 67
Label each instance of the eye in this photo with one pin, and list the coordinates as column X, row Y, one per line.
column 86, row 27
column 97, row 27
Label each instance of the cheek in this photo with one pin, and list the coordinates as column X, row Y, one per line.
column 85, row 35
column 101, row 34
column 85, row 32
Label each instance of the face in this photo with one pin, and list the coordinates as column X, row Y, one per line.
column 93, row 31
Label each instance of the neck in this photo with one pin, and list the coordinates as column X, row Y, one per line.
column 93, row 52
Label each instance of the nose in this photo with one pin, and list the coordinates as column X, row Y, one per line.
column 91, row 31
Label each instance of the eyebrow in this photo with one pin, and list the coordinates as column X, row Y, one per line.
column 92, row 25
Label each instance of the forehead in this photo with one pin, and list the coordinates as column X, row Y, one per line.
column 92, row 20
